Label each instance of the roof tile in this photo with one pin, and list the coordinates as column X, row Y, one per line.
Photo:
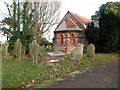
column 82, row 20
column 68, row 24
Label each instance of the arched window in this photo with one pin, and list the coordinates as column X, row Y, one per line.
column 72, row 39
column 61, row 39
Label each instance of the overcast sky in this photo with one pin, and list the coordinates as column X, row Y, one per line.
column 84, row 8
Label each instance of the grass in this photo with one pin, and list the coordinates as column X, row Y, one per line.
column 24, row 74
column 19, row 73
column 43, row 51
column 0, row 67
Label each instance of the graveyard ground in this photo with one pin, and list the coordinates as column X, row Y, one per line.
column 25, row 74
column 105, row 76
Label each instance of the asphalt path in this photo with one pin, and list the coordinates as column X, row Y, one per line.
column 105, row 76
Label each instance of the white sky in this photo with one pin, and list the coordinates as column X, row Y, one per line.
column 84, row 8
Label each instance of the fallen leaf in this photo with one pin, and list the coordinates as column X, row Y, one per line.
column 33, row 81
column 50, row 71
column 38, row 74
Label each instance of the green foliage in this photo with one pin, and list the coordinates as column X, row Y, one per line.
column 11, row 43
column 106, row 37
column 25, row 20
column 4, row 29
column 20, row 25
column 25, row 40
column 118, row 25
column 109, row 6
column 14, row 16
column 93, row 36
column 109, row 31
column 96, row 16
column 44, row 51
column 44, row 41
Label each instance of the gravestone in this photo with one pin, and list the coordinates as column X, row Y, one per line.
column 34, row 50
column 49, row 46
column 23, row 51
column 5, row 53
column 42, row 47
column 91, row 51
column 59, row 55
column 77, row 54
column 56, row 47
column 6, row 48
column 39, row 51
column 56, row 52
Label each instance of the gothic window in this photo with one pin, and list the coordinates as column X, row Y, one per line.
column 61, row 39
column 72, row 39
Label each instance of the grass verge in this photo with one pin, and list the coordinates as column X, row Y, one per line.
column 25, row 74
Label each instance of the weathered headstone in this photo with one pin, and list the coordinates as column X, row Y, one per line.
column 5, row 53
column 39, row 51
column 56, row 47
column 23, row 51
column 77, row 54
column 91, row 51
column 49, row 46
column 17, row 49
column 42, row 47
column 34, row 50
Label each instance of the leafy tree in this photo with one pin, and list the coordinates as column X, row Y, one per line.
column 92, row 35
column 118, row 25
column 4, row 29
column 96, row 16
column 20, row 25
column 109, row 32
column 106, row 37
column 30, row 20
column 109, row 6
column 45, row 42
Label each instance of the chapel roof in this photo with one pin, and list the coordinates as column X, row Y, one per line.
column 69, row 24
column 80, row 19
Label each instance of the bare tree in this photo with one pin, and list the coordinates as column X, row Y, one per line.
column 45, row 16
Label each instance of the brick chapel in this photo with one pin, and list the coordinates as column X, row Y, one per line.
column 70, row 31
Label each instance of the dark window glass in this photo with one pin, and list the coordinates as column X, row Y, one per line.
column 61, row 39
column 72, row 39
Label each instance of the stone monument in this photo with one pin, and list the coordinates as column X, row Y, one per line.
column 56, row 52
column 77, row 54
column 91, row 51
column 56, row 47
